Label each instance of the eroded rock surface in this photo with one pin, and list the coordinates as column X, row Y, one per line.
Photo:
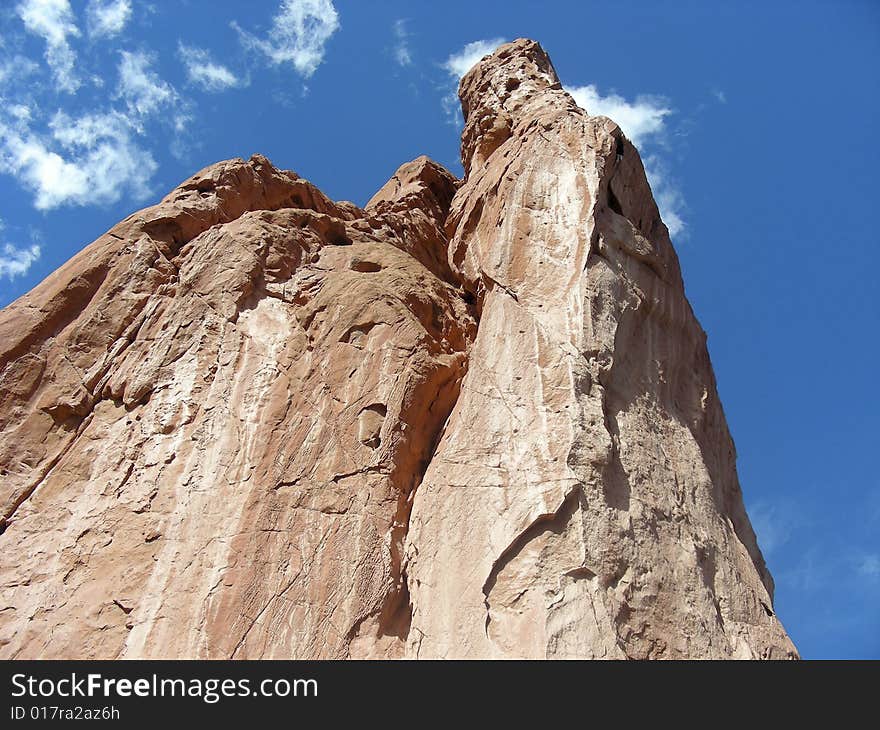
column 475, row 419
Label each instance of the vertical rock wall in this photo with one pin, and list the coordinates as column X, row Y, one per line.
column 475, row 419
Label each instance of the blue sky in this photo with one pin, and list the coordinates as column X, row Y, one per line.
column 757, row 121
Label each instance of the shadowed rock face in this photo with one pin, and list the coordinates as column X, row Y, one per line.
column 475, row 419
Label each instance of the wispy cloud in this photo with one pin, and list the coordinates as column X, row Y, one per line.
column 298, row 35
column 16, row 68
column 15, row 261
column 667, row 194
column 107, row 18
column 203, row 71
column 94, row 157
column 140, row 87
column 643, row 121
column 832, row 562
column 54, row 22
column 402, row 53
column 100, row 145
column 82, row 160
column 459, row 63
column 773, row 524
column 869, row 565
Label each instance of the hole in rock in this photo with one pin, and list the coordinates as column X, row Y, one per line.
column 367, row 267
column 370, row 421
column 354, row 334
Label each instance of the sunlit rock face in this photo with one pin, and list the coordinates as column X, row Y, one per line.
column 476, row 418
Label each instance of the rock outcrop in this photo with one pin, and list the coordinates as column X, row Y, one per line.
column 474, row 419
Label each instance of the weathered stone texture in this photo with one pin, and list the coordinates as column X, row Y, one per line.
column 474, row 419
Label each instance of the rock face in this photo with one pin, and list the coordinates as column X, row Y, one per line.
column 475, row 419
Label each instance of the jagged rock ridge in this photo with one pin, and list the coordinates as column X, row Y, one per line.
column 474, row 419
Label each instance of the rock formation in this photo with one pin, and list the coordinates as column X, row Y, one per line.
column 476, row 418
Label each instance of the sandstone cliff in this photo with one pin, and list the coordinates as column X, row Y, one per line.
column 474, row 419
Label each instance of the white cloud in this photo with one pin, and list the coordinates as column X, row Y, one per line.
column 84, row 160
column 53, row 21
column 106, row 18
column 869, row 566
column 458, row 64
column 141, row 88
column 16, row 261
column 451, row 108
column 640, row 119
column 667, row 195
column 299, row 32
column 22, row 113
column 402, row 54
column 203, row 71
column 95, row 157
column 16, row 69
column 772, row 524
column 643, row 121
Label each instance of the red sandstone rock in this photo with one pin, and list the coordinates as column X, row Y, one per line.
column 474, row 419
